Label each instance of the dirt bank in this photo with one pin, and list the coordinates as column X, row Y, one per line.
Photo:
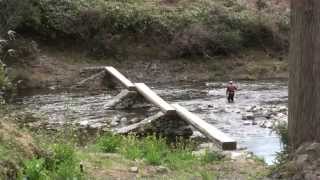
column 60, row 68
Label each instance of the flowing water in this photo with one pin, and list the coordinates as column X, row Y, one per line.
column 204, row 99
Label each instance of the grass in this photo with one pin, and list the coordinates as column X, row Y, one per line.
column 112, row 156
column 155, row 151
column 62, row 164
column 58, row 156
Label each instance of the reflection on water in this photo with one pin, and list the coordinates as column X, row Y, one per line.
column 205, row 99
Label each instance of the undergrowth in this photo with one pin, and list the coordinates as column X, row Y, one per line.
column 156, row 150
column 282, row 157
column 183, row 28
column 61, row 164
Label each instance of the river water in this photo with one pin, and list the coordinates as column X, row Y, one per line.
column 204, row 99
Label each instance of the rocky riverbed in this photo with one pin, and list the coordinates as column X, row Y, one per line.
column 258, row 107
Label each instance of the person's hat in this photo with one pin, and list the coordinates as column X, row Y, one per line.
column 230, row 82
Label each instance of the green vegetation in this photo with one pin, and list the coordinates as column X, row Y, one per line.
column 4, row 82
column 59, row 156
column 282, row 157
column 109, row 142
column 201, row 27
column 155, row 151
column 62, row 164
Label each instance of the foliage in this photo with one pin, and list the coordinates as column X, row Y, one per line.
column 156, row 150
column 35, row 169
column 282, row 157
column 4, row 81
column 282, row 130
column 131, row 147
column 210, row 157
column 189, row 27
column 13, row 49
column 18, row 13
column 109, row 142
column 62, row 164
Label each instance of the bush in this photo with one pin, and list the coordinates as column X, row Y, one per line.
column 282, row 157
column 35, row 169
column 15, row 14
column 210, row 157
column 155, row 149
column 62, row 164
column 132, row 148
column 198, row 28
column 109, row 142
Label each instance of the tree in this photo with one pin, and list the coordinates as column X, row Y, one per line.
column 304, row 80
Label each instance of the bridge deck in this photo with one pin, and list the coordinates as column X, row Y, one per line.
column 120, row 77
column 207, row 129
column 151, row 96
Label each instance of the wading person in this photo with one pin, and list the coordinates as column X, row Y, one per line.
column 231, row 88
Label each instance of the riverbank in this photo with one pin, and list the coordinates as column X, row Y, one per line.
column 60, row 68
column 113, row 157
column 151, row 41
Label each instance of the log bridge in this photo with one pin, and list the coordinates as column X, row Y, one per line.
column 167, row 111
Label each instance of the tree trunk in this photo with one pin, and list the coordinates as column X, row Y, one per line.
column 304, row 80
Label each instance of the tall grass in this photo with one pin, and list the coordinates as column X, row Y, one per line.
column 62, row 164
column 156, row 150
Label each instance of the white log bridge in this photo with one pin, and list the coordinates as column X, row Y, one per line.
column 120, row 77
column 207, row 129
column 151, row 96
column 214, row 134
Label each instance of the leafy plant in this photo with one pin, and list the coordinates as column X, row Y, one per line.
column 35, row 169
column 109, row 142
column 210, row 157
column 62, row 164
column 132, row 147
column 155, row 149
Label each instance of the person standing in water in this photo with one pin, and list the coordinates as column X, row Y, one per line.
column 231, row 88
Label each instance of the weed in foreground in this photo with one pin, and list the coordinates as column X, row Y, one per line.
column 62, row 164
column 132, row 148
column 156, row 150
column 109, row 142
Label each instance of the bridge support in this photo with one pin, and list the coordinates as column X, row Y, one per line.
column 169, row 126
column 171, row 121
column 124, row 100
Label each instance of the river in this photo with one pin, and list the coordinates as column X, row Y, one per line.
column 207, row 100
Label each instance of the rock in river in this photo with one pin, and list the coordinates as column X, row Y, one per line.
column 248, row 116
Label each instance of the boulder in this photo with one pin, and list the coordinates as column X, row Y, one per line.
column 247, row 123
column 114, row 123
column 248, row 116
column 134, row 169
column 161, row 169
column 134, row 120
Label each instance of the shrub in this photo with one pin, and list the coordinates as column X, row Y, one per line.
column 3, row 78
column 155, row 149
column 198, row 28
column 210, row 157
column 282, row 157
column 281, row 129
column 18, row 13
column 109, row 142
column 176, row 159
column 62, row 164
column 35, row 169
column 132, row 147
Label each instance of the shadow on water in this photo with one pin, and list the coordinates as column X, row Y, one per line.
column 205, row 99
